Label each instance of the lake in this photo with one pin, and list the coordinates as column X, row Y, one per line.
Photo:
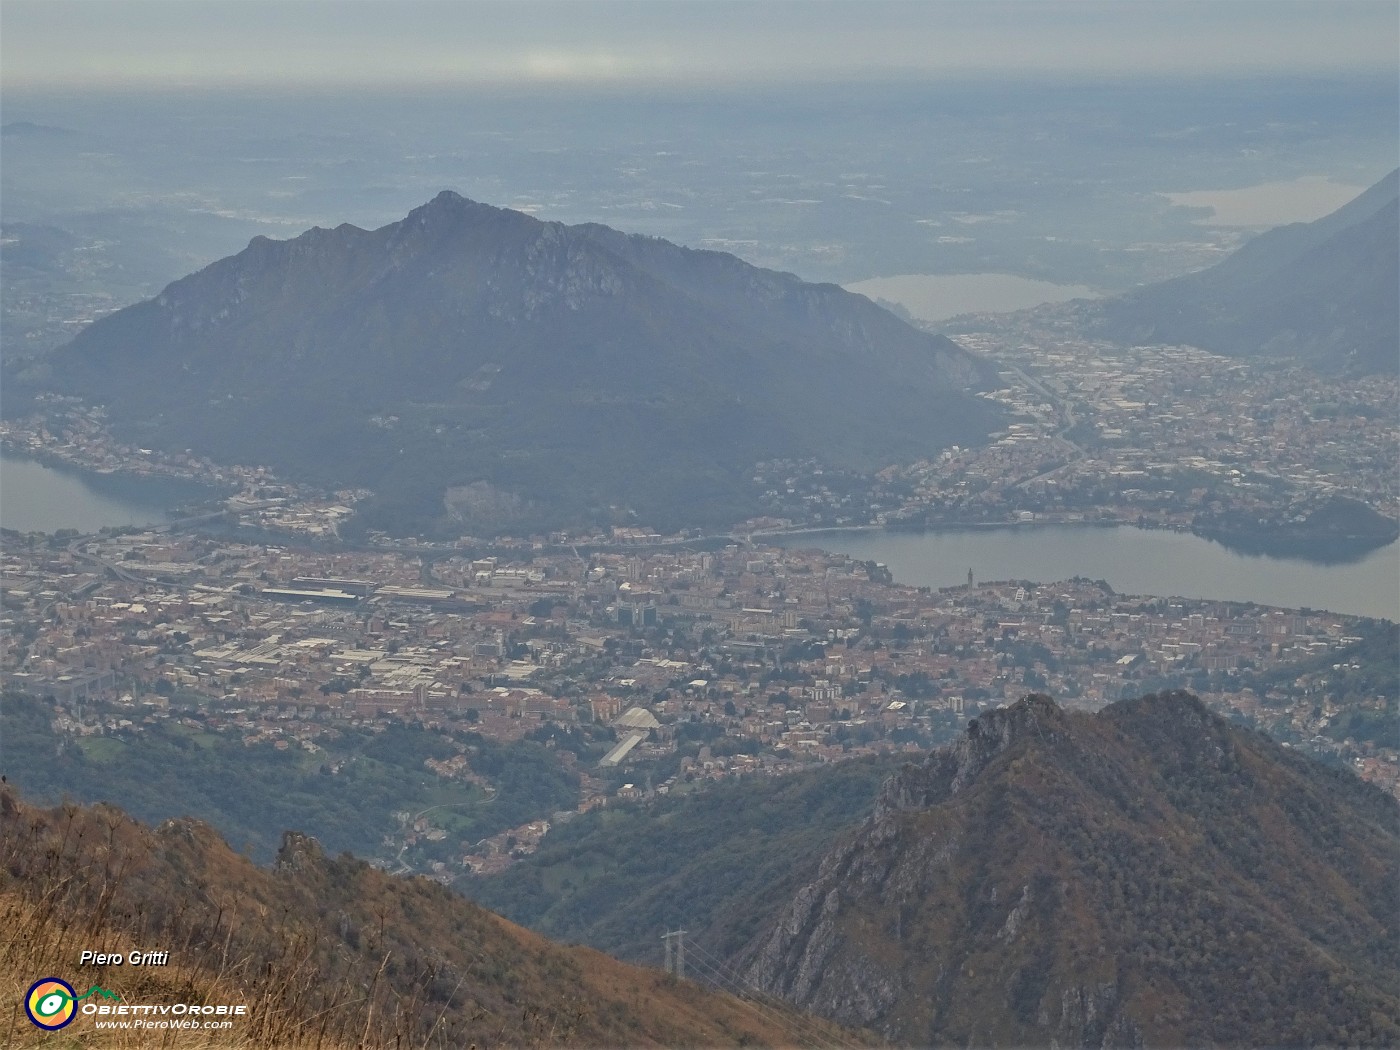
column 39, row 498
column 936, row 297
column 35, row 497
column 1270, row 203
column 1132, row 561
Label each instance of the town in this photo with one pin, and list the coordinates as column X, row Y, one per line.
column 1162, row 436
column 649, row 663
column 684, row 665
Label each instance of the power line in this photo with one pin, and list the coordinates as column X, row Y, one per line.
column 761, row 1010
column 675, row 960
column 788, row 1021
column 743, row 990
column 719, row 973
column 716, row 972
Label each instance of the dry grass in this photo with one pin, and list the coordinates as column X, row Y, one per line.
column 325, row 952
column 68, row 881
column 38, row 941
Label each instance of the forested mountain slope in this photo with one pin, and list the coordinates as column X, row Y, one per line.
column 479, row 369
column 719, row 862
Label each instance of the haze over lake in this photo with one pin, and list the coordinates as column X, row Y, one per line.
column 936, row 297
column 1270, row 203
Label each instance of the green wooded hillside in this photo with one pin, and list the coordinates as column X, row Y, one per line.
column 718, row 862
column 346, row 792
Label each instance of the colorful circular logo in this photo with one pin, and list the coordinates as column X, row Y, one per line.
column 51, row 1003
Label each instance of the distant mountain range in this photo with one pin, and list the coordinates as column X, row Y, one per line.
column 1325, row 292
column 1150, row 875
column 482, row 370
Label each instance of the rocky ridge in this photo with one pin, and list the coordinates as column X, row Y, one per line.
column 1150, row 875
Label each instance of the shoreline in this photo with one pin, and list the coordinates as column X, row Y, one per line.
column 1264, row 543
column 1283, row 549
column 157, row 495
column 53, row 461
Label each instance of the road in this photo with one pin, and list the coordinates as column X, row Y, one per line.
column 1065, row 409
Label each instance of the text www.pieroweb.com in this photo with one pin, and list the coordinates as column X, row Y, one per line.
column 152, row 1017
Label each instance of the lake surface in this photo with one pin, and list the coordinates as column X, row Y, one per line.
column 1270, row 203
column 35, row 497
column 39, row 498
column 1132, row 561
column 937, row 297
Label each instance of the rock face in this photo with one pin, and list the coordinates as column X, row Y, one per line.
column 1150, row 875
column 1323, row 292
column 575, row 371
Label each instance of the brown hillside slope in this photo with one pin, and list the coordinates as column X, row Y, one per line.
column 1147, row 875
column 324, row 951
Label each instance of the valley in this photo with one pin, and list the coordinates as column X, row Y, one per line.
column 676, row 525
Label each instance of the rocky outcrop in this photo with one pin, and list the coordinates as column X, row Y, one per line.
column 817, row 959
column 298, row 852
column 949, row 770
column 1062, row 879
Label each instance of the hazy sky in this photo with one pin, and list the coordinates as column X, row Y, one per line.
column 52, row 43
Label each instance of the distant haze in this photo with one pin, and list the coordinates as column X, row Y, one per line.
column 140, row 42
column 937, row 297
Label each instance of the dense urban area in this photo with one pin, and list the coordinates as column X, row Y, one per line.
column 647, row 664
column 1168, row 436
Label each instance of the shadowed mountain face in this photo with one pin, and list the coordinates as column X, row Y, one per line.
column 474, row 363
column 1148, row 875
column 1326, row 292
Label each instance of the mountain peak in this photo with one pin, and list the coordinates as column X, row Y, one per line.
column 1059, row 877
column 949, row 771
column 450, row 200
column 1033, row 712
column 567, row 369
column 1321, row 292
column 451, row 206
